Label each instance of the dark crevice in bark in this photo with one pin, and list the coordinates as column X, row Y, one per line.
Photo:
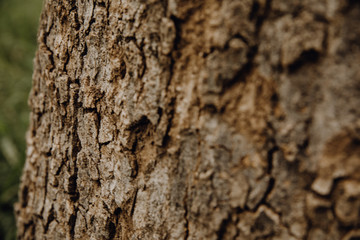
column 137, row 131
column 336, row 182
column 29, row 226
column 122, row 69
column 254, row 10
column 92, row 20
column 270, row 156
column 171, row 109
column 160, row 113
column 90, row 110
column 101, row 4
column 134, row 167
column 83, row 215
column 46, row 180
column 175, row 51
column 103, row 144
column 71, row 223
column 297, row 11
column 239, row 36
column 72, row 187
column 186, row 215
column 111, row 229
column 177, row 24
column 139, row 126
column 210, row 108
column 66, row 61
column 141, row 75
column 108, row 13
column 58, row 171
column 77, row 24
column 242, row 74
column 266, row 194
column 97, row 125
column 212, row 49
column 50, row 218
column 116, row 215
column 306, row 58
column 223, row 227
column 351, row 4
column 263, row 200
column 171, row 74
column 85, row 51
column 253, row 50
column 51, row 54
column 309, row 226
column 133, row 203
column 24, row 196
column 261, row 18
column 127, row 39
column 321, row 18
column 76, row 148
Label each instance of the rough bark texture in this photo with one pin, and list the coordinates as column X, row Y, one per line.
column 194, row 120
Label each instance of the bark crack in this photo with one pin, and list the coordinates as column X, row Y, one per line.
column 186, row 216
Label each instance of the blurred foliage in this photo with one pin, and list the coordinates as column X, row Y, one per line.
column 18, row 30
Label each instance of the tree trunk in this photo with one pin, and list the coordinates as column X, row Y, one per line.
column 194, row 120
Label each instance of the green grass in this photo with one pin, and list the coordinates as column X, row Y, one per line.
column 18, row 29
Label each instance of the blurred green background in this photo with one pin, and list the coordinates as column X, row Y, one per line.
column 18, row 30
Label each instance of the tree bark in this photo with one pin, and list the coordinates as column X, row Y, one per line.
column 194, row 120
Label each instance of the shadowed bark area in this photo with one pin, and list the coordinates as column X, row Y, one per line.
column 194, row 120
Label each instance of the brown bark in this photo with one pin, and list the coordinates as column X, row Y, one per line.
column 194, row 120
